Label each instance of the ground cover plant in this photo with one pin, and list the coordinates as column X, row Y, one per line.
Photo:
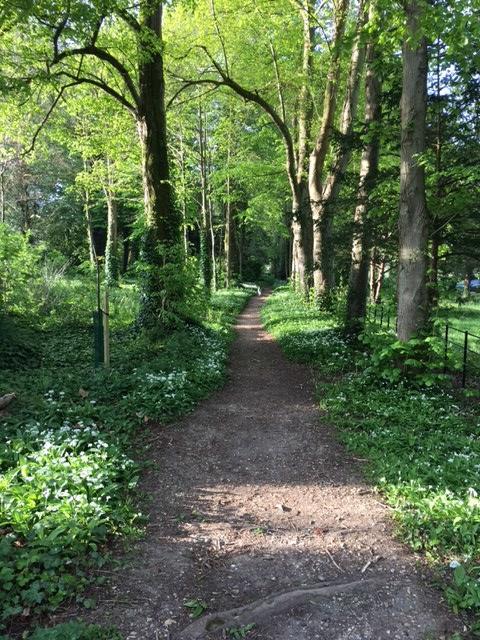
column 67, row 473
column 421, row 441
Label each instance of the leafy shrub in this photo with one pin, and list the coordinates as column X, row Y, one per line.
column 420, row 361
column 18, row 265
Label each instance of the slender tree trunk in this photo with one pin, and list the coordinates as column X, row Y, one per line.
column 413, row 222
column 205, row 249
column 358, row 279
column 2, row 195
column 379, row 279
column 228, row 227
column 212, row 244
column 319, row 153
column 184, row 195
column 112, row 270
column 88, row 221
column 435, row 233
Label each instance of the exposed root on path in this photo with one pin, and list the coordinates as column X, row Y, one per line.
column 263, row 609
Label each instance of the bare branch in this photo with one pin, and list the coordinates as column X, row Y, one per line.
column 46, row 118
column 78, row 80
column 102, row 54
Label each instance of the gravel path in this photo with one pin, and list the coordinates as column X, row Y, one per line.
column 256, row 510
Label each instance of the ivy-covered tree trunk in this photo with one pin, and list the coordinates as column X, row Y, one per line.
column 162, row 225
column 413, row 223
column 112, row 266
column 358, row 280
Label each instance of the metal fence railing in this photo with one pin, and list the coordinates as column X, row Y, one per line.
column 461, row 347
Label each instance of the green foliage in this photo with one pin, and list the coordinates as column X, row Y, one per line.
column 417, row 362
column 66, row 470
column 196, row 607
column 18, row 261
column 421, row 441
column 240, row 632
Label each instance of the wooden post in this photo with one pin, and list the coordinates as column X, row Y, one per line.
column 106, row 331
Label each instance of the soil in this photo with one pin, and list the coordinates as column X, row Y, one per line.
column 257, row 511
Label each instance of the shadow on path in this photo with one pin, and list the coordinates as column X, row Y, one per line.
column 255, row 507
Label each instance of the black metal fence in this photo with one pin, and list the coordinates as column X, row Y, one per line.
column 461, row 347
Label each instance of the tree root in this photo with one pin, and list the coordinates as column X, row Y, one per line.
column 260, row 610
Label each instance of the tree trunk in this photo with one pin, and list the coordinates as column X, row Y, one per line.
column 228, row 230
column 112, row 267
column 212, row 244
column 358, row 279
column 88, row 221
column 413, row 224
column 341, row 159
column 161, row 238
column 435, row 233
column 319, row 153
column 2, row 195
column 205, row 249
column 302, row 216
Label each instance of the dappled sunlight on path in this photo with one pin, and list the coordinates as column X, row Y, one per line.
column 251, row 497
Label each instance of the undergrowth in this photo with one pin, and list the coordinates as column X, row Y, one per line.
column 422, row 441
column 67, row 473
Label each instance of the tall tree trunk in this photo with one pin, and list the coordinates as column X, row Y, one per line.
column 2, row 195
column 211, row 231
column 413, row 223
column 435, row 233
column 302, row 216
column 228, row 227
column 358, row 279
column 112, row 267
column 205, row 248
column 161, row 238
column 184, row 195
column 319, row 153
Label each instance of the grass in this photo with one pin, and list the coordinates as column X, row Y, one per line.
column 422, row 444
column 67, row 469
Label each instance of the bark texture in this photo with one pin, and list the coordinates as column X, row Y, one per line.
column 358, row 278
column 413, row 223
column 319, row 153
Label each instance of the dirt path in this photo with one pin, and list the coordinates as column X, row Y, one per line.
column 256, row 508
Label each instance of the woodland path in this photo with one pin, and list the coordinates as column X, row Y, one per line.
column 251, row 496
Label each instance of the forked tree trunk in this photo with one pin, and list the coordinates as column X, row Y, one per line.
column 358, row 279
column 413, row 222
column 319, row 153
column 341, row 159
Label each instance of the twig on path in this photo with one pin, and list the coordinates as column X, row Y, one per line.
column 370, row 562
column 333, row 561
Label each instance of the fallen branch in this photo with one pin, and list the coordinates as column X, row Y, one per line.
column 263, row 609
